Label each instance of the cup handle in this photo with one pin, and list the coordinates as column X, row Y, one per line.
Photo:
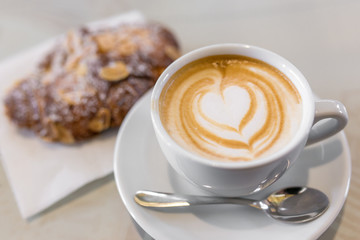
column 337, row 117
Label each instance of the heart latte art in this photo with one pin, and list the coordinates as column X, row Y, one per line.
column 230, row 108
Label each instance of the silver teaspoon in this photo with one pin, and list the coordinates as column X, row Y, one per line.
column 292, row 204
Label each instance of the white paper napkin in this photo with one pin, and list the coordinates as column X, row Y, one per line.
column 40, row 173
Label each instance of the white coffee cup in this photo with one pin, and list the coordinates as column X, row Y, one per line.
column 243, row 178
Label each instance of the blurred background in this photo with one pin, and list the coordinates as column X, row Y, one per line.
column 316, row 35
column 321, row 37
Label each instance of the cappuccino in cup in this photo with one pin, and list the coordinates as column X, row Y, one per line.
column 230, row 108
column 233, row 118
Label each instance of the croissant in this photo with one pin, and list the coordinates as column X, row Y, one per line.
column 89, row 80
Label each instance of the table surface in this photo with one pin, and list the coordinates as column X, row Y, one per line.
column 321, row 37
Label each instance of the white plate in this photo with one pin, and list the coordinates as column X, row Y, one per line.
column 139, row 164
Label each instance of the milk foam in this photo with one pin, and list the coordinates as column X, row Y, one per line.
column 231, row 108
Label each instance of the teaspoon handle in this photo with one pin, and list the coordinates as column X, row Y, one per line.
column 167, row 200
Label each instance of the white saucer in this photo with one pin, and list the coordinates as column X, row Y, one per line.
column 140, row 165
